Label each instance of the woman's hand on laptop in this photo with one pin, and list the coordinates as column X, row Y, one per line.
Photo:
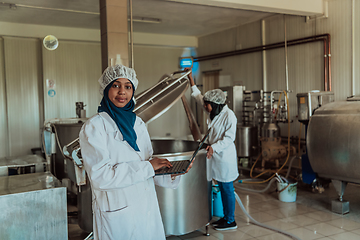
column 158, row 163
column 175, row 175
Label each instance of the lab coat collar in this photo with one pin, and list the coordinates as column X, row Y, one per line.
column 112, row 128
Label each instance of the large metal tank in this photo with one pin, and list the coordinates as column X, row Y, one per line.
column 65, row 132
column 188, row 207
column 333, row 140
column 247, row 141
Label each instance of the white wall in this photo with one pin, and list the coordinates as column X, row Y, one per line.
column 22, row 70
column 305, row 62
column 75, row 66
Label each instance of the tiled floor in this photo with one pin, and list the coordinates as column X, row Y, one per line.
column 307, row 218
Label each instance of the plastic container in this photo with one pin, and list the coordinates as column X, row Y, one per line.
column 217, row 208
column 287, row 191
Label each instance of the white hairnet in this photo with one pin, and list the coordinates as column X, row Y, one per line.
column 216, row 96
column 115, row 72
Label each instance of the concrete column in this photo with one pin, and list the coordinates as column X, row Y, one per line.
column 114, row 32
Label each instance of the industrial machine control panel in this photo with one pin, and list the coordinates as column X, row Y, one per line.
column 310, row 101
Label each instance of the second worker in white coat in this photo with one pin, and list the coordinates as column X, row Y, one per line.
column 221, row 150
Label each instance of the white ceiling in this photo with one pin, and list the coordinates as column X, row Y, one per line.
column 176, row 18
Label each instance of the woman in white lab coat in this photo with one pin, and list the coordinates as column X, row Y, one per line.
column 221, row 150
column 116, row 151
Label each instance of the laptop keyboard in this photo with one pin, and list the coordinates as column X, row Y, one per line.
column 177, row 166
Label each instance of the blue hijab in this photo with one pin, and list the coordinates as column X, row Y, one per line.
column 124, row 117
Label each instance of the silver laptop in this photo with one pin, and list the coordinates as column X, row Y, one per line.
column 181, row 166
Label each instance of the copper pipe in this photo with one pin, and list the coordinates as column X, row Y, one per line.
column 329, row 61
column 325, row 66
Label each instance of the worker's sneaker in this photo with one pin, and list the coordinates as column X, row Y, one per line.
column 226, row 226
column 219, row 222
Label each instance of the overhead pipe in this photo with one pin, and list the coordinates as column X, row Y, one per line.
column 323, row 37
column 329, row 61
column 325, row 66
column 286, row 57
column 131, row 35
column 353, row 91
column 264, row 68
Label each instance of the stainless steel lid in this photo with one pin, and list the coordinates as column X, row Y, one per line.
column 156, row 100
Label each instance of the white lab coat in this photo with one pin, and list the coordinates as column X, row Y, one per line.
column 223, row 163
column 125, row 204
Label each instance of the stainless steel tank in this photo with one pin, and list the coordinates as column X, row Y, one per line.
column 333, row 140
column 247, row 141
column 65, row 132
column 84, row 205
column 270, row 130
column 188, row 207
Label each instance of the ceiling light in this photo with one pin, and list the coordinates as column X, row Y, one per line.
column 135, row 19
column 145, row 20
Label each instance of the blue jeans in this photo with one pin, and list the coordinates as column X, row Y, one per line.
column 228, row 200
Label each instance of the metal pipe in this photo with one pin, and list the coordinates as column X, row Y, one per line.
column 353, row 47
column 261, row 48
column 325, row 67
column 286, row 58
column 263, row 41
column 131, row 36
column 322, row 37
column 272, row 98
column 329, row 63
column 53, row 9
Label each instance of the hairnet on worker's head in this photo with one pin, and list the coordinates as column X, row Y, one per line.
column 216, row 96
column 115, row 72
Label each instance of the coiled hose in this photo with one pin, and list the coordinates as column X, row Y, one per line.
column 269, row 184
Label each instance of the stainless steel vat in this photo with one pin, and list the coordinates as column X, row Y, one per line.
column 270, row 130
column 188, row 207
column 85, row 216
column 32, row 206
column 247, row 141
column 66, row 133
column 333, row 140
